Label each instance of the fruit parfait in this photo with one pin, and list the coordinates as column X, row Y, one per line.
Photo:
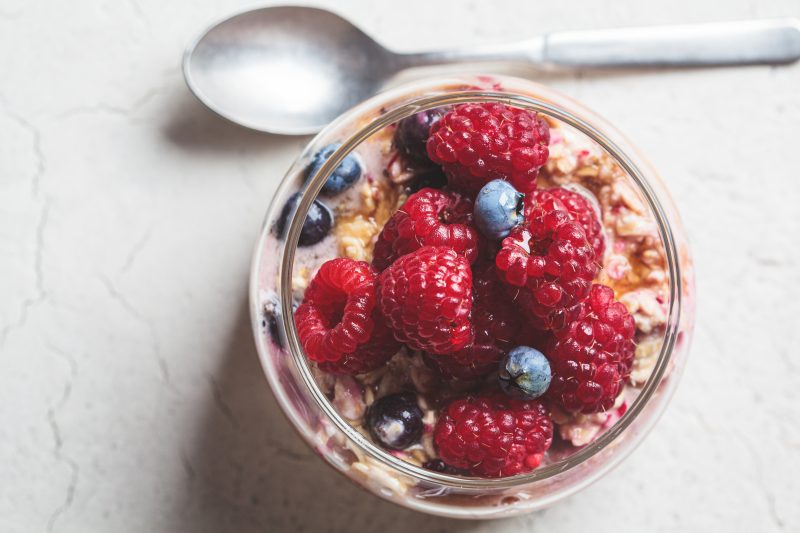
column 480, row 291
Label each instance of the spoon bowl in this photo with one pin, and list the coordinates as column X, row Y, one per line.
column 286, row 70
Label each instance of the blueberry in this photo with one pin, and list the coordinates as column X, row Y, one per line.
column 412, row 133
column 498, row 209
column 395, row 421
column 317, row 225
column 345, row 175
column 430, row 177
column 437, row 465
column 525, row 373
column 272, row 314
column 272, row 319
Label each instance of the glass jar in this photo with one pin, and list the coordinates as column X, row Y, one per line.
column 310, row 410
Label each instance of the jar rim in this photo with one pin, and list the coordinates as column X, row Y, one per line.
column 310, row 192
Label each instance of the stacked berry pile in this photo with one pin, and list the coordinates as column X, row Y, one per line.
column 492, row 279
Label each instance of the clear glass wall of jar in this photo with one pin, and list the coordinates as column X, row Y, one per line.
column 352, row 453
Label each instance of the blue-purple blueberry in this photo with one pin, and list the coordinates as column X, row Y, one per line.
column 498, row 209
column 345, row 175
column 395, row 421
column 525, row 373
column 412, row 133
column 317, row 225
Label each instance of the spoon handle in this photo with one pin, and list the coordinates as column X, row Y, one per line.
column 772, row 41
column 723, row 43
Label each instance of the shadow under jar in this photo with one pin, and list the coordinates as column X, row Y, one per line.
column 645, row 260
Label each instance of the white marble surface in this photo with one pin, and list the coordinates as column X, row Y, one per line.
column 131, row 398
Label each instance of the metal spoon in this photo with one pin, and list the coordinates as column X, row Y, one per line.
column 291, row 70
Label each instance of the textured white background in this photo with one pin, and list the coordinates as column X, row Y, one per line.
column 131, row 398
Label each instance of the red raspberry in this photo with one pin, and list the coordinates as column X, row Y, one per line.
column 493, row 318
column 550, row 259
column 426, row 298
column 553, row 319
column 495, row 323
column 470, row 363
column 582, row 212
column 477, row 143
column 533, row 337
column 430, row 217
column 592, row 357
column 336, row 320
column 368, row 357
column 493, row 435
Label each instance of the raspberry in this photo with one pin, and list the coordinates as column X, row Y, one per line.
column 592, row 357
column 426, row 298
column 335, row 322
column 477, row 143
column 493, row 435
column 551, row 261
column 430, row 217
column 533, row 337
column 474, row 361
column 368, row 357
column 495, row 323
column 582, row 212
column 549, row 320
